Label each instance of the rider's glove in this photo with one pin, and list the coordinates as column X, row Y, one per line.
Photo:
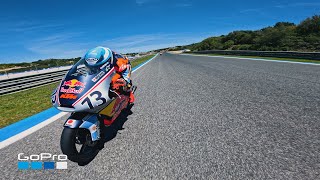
column 119, row 83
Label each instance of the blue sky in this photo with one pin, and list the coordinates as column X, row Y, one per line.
column 40, row 29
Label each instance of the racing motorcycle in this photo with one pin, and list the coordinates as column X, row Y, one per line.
column 87, row 94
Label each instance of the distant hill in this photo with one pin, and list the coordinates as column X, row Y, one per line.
column 40, row 64
column 283, row 36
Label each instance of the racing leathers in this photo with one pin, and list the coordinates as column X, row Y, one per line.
column 121, row 80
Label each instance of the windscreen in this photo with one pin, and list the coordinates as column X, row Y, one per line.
column 81, row 69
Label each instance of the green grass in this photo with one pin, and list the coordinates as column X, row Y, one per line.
column 269, row 58
column 140, row 60
column 17, row 106
column 20, row 105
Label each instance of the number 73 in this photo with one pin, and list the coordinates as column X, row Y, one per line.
column 98, row 98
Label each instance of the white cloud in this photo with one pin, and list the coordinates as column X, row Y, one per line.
column 251, row 10
column 28, row 26
column 147, row 42
column 306, row 4
column 183, row 5
column 129, row 41
column 60, row 45
column 142, row 2
column 67, row 45
column 35, row 27
column 298, row 4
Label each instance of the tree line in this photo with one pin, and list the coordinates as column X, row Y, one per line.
column 36, row 65
column 283, row 36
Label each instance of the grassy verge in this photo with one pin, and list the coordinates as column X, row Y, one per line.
column 20, row 105
column 17, row 106
column 268, row 58
column 141, row 60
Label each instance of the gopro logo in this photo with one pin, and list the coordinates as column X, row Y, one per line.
column 34, row 161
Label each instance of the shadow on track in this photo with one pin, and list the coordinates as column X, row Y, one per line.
column 110, row 132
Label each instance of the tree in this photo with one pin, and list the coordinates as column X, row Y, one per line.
column 283, row 36
column 310, row 25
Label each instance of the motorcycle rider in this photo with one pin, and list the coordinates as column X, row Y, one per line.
column 121, row 81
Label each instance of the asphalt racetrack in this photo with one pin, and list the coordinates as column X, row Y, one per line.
column 201, row 118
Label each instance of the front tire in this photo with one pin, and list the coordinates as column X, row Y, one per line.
column 70, row 138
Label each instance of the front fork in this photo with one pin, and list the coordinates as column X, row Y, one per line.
column 89, row 121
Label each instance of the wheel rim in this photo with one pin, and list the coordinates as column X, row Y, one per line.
column 84, row 145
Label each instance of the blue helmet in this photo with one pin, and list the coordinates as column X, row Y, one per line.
column 98, row 56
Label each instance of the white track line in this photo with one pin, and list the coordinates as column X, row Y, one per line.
column 145, row 63
column 35, row 128
column 254, row 59
column 31, row 130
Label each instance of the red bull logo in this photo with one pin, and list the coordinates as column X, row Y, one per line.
column 74, row 83
column 71, row 90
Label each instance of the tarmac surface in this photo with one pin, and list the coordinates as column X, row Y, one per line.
column 201, row 118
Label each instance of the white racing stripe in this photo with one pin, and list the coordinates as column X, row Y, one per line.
column 254, row 59
column 35, row 128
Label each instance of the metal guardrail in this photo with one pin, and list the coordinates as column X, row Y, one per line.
column 279, row 54
column 16, row 84
column 26, row 82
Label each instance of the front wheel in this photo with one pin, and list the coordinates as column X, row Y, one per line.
column 78, row 146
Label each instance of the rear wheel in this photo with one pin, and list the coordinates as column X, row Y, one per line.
column 78, row 146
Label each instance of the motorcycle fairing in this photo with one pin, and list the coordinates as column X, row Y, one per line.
column 90, row 122
column 109, row 110
column 82, row 90
column 119, row 104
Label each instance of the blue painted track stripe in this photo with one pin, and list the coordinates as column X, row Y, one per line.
column 33, row 120
column 26, row 123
